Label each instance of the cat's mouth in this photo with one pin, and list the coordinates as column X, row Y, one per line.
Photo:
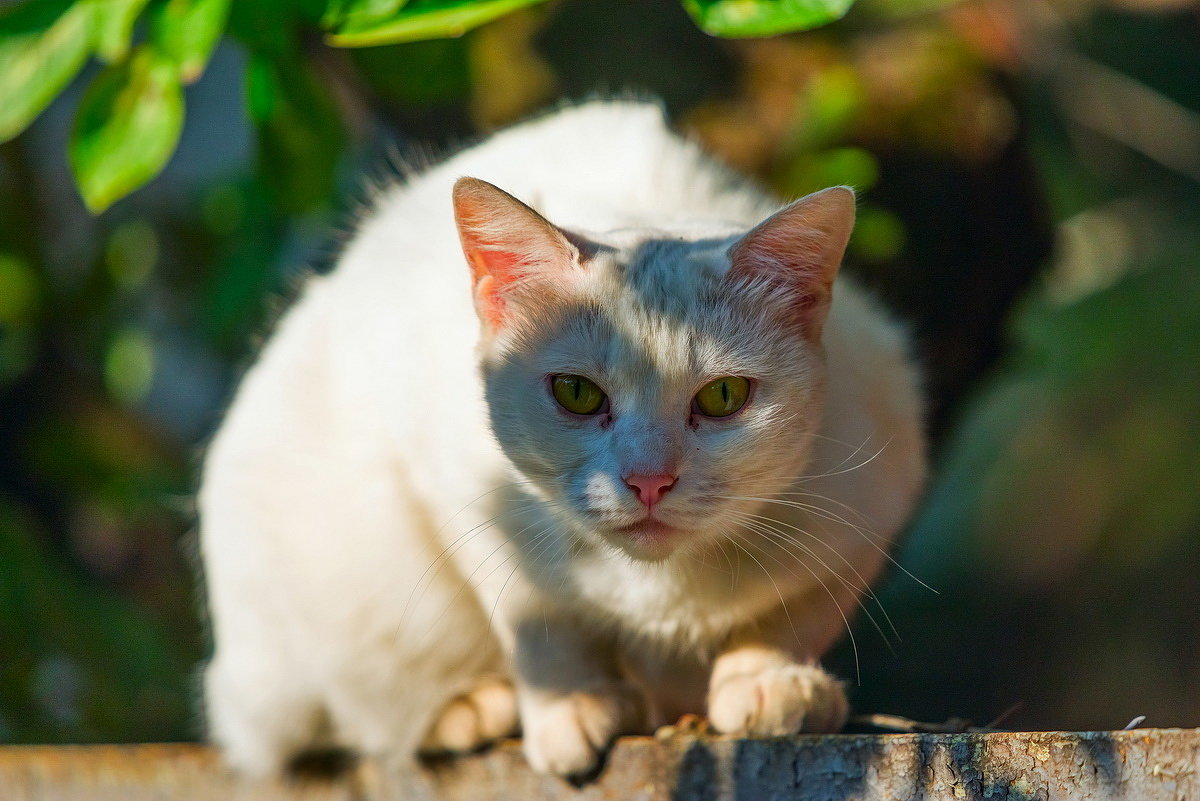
column 649, row 528
column 647, row 539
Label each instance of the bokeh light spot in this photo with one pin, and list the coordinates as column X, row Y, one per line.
column 129, row 366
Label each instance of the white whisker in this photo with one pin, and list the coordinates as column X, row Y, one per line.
column 870, row 536
column 832, row 597
column 783, row 539
column 863, row 587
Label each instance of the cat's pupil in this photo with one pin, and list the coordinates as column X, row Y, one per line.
column 725, row 392
column 577, row 385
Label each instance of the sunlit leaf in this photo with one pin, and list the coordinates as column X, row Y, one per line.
column 114, row 27
column 763, row 17
column 427, row 19
column 299, row 131
column 43, row 43
column 188, row 30
column 126, row 128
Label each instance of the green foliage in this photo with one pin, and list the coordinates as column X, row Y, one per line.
column 763, row 17
column 299, row 131
column 79, row 664
column 187, row 31
column 114, row 27
column 43, row 44
column 424, row 19
column 131, row 116
column 127, row 127
column 418, row 72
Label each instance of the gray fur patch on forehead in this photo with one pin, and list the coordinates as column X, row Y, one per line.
column 662, row 305
column 669, row 275
column 678, row 320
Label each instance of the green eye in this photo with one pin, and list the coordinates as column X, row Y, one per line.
column 723, row 397
column 577, row 394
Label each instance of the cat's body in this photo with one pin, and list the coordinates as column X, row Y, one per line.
column 355, row 582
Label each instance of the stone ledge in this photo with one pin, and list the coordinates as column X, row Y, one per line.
column 1143, row 764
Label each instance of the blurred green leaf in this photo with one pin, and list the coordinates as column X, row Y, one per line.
column 188, row 31
column 17, row 349
column 238, row 279
column 114, row 27
column 126, row 128
column 809, row 172
column 763, row 17
column 426, row 19
column 43, row 44
column 299, row 131
column 828, row 108
column 900, row 9
column 341, row 13
column 19, row 289
column 131, row 253
column 129, row 365
column 878, row 235
column 266, row 26
column 436, row 71
column 120, row 658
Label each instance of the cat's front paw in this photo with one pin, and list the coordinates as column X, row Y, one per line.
column 566, row 734
column 768, row 697
column 483, row 715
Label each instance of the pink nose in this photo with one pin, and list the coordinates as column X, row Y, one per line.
column 650, row 489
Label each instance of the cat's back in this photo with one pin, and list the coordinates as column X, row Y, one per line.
column 597, row 166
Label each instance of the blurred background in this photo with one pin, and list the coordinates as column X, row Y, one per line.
column 1030, row 183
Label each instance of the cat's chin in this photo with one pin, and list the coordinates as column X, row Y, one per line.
column 648, row 540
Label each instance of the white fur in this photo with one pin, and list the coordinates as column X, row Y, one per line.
column 355, row 584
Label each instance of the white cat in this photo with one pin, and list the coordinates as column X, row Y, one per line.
column 492, row 472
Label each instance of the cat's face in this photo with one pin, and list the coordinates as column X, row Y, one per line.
column 650, row 387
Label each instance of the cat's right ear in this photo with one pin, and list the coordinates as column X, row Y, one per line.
column 799, row 249
column 508, row 246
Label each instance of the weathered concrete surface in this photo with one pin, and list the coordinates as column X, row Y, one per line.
column 1140, row 765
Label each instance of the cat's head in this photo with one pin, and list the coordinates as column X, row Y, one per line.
column 649, row 384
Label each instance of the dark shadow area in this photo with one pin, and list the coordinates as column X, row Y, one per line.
column 696, row 779
column 330, row 764
column 771, row 770
column 648, row 48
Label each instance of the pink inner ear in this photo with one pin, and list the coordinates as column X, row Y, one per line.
column 491, row 271
column 505, row 242
column 800, row 248
column 488, row 302
column 486, row 260
column 484, row 264
column 791, row 260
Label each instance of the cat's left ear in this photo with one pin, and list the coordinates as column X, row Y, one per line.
column 510, row 248
column 800, row 249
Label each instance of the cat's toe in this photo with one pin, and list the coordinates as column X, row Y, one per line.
column 566, row 736
column 778, row 699
column 496, row 702
column 486, row 713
